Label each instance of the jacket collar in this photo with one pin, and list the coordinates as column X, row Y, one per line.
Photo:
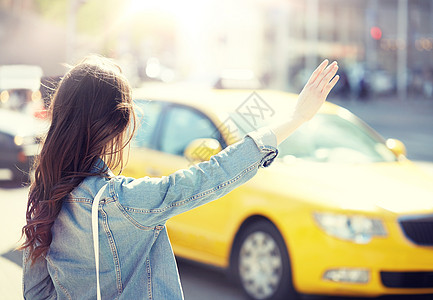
column 100, row 166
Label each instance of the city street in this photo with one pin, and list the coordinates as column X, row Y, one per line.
column 411, row 122
column 341, row 211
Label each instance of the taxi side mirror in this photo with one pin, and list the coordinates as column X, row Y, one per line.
column 202, row 149
column 396, row 146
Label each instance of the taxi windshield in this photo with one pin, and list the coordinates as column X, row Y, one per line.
column 331, row 138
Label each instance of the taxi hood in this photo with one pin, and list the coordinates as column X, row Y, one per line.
column 393, row 187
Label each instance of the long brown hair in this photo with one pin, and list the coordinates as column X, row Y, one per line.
column 90, row 113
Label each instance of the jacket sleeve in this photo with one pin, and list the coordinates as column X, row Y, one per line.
column 37, row 283
column 152, row 201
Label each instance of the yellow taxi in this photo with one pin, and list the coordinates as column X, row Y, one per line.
column 341, row 211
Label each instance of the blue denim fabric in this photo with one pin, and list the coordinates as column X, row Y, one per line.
column 136, row 258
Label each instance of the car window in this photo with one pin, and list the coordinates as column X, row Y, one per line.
column 331, row 138
column 148, row 113
column 182, row 125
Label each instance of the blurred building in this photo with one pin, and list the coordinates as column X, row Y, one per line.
column 379, row 39
column 379, row 43
column 27, row 39
column 383, row 46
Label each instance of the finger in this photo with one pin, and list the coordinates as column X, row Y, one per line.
column 318, row 70
column 322, row 76
column 328, row 75
column 330, row 85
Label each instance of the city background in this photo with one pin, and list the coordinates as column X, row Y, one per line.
column 384, row 49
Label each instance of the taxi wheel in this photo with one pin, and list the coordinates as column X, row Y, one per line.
column 261, row 264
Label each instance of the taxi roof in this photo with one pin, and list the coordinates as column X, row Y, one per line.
column 223, row 100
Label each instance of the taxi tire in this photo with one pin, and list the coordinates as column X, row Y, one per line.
column 285, row 289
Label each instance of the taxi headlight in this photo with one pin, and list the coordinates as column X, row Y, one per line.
column 358, row 229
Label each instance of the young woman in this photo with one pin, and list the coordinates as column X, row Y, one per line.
column 92, row 122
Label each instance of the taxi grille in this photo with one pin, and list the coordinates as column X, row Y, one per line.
column 419, row 230
column 407, row 279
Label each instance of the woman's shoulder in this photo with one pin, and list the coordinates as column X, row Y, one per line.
column 115, row 186
column 88, row 188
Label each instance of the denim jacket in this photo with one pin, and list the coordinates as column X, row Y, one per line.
column 136, row 258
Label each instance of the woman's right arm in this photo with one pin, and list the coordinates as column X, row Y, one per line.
column 152, row 201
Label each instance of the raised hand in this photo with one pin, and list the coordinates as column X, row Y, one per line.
column 315, row 91
column 310, row 100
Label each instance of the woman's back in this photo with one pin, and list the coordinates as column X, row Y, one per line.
column 132, row 261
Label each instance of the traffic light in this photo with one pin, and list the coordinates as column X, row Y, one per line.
column 376, row 33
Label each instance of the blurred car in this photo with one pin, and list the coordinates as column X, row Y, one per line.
column 238, row 79
column 381, row 82
column 20, row 136
column 340, row 212
column 20, row 89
